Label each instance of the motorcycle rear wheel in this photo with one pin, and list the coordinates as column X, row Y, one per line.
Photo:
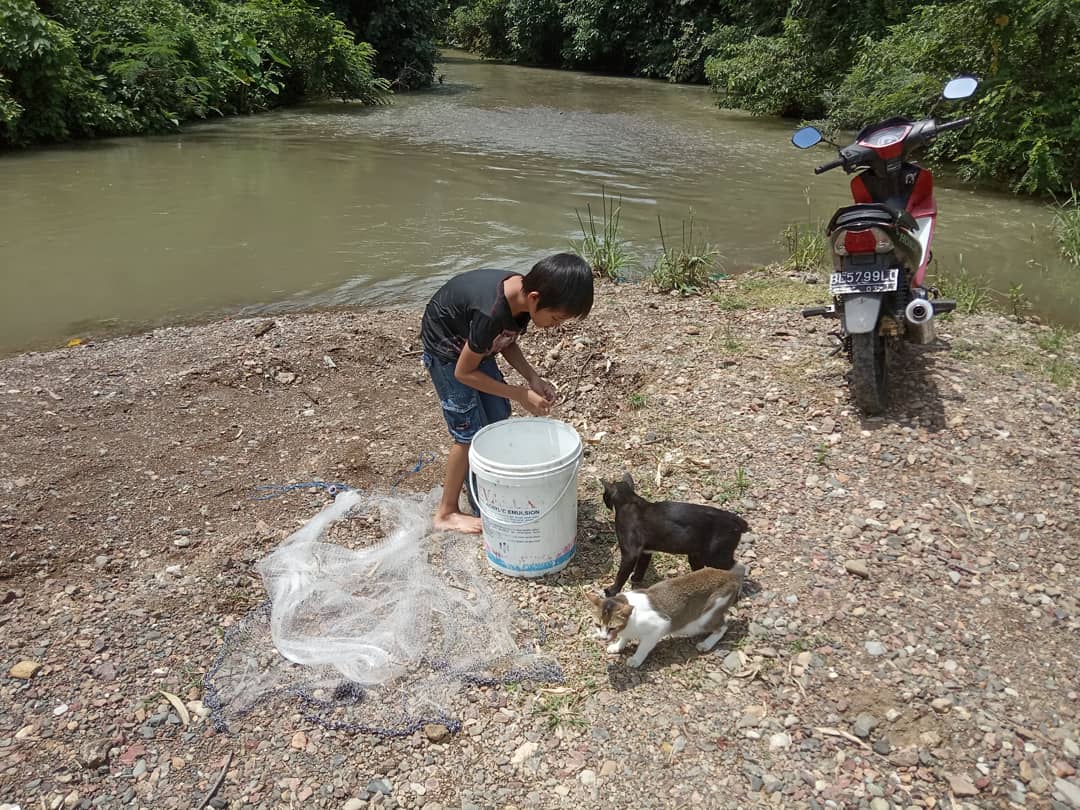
column 869, row 372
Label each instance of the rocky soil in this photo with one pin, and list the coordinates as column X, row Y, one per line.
column 912, row 641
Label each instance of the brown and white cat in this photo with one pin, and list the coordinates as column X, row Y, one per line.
column 686, row 605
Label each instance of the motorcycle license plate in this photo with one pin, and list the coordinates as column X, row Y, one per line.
column 863, row 281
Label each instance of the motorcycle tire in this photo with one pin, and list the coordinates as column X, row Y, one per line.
column 869, row 372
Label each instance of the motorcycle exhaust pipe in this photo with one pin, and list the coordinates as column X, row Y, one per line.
column 920, row 327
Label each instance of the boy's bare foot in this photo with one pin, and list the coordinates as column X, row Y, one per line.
column 459, row 522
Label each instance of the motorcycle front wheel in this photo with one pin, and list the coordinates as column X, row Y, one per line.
column 869, row 372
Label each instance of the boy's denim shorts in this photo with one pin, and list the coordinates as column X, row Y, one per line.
column 465, row 409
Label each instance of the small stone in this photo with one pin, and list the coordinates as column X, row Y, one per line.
column 354, row 804
column 285, row 377
column 95, row 753
column 1026, row 773
column 879, row 803
column 941, row 704
column 961, row 785
column 857, row 568
column 299, row 741
column 1063, row 768
column 436, row 732
column 882, row 746
column 25, row 670
column 182, row 542
column 1071, row 748
column 523, row 752
column 587, row 777
column 780, row 740
column 1069, row 790
column 734, row 661
column 904, row 759
column 608, row 768
column 380, row 786
column 752, row 716
column 864, row 724
column 875, row 648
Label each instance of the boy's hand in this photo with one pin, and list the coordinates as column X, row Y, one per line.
column 534, row 403
column 544, row 388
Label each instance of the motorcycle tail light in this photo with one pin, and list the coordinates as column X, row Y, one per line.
column 872, row 240
column 860, row 242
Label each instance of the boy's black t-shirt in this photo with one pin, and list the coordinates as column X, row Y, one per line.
column 471, row 308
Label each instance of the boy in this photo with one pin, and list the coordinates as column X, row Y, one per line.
column 475, row 316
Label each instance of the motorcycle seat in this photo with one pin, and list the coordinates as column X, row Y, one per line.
column 867, row 215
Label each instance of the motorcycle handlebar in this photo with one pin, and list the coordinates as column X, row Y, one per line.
column 832, row 164
column 959, row 122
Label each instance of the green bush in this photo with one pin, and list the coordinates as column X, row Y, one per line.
column 402, row 32
column 482, row 26
column 1026, row 131
column 45, row 93
column 781, row 75
column 106, row 67
column 535, row 33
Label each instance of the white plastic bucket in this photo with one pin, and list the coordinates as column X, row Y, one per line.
column 523, row 477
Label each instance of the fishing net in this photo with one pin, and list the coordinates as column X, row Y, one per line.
column 375, row 624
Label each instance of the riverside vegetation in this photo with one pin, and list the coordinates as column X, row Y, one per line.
column 82, row 68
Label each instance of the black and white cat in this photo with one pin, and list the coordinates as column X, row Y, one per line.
column 687, row 605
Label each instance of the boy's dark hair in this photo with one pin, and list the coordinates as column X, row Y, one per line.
column 565, row 283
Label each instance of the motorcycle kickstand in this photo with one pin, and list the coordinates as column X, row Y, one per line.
column 839, row 345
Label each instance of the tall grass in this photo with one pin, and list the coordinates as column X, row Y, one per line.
column 601, row 247
column 805, row 241
column 1067, row 226
column 970, row 294
column 689, row 267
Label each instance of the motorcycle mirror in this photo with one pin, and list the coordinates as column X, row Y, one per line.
column 806, row 137
column 960, row 87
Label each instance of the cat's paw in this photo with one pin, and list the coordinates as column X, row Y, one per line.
column 615, row 647
column 634, row 661
column 704, row 646
column 610, row 592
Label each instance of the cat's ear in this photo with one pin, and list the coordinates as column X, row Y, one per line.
column 628, row 480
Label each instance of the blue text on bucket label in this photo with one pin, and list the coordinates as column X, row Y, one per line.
column 541, row 566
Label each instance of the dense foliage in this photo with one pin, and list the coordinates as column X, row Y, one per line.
column 101, row 67
column 403, row 33
column 851, row 61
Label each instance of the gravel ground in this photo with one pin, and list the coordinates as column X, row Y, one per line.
column 911, row 640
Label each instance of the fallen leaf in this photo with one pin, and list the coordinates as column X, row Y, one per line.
column 178, row 704
column 74, row 342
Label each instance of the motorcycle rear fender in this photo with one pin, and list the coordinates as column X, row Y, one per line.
column 861, row 312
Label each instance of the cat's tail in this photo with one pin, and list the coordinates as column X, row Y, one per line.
column 739, row 572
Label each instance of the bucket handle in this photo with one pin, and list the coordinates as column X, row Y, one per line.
column 499, row 522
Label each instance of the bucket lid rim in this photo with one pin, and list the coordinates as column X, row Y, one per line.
column 555, row 465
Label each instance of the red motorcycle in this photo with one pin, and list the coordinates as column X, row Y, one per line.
column 881, row 245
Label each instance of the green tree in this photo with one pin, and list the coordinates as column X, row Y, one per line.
column 403, row 34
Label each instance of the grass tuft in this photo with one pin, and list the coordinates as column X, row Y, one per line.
column 601, row 247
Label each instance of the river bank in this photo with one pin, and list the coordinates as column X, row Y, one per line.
column 912, row 644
